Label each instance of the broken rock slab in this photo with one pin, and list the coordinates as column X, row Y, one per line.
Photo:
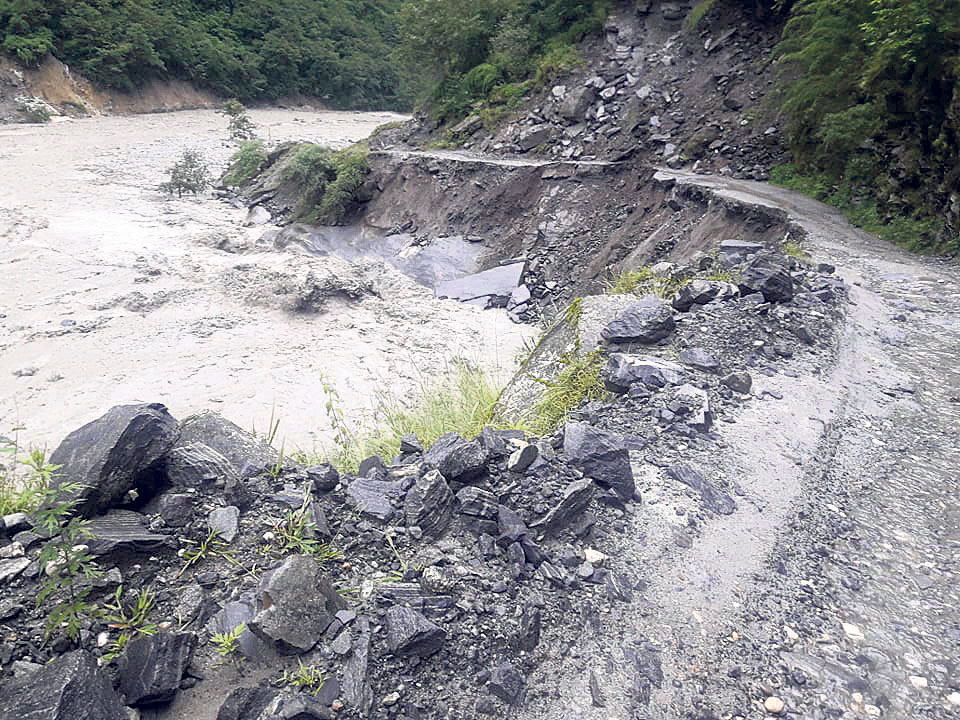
column 768, row 274
column 246, row 453
column 646, row 321
column 113, row 455
column 576, row 496
column 125, row 531
column 623, row 371
column 457, row 459
column 488, row 288
column 601, row 455
column 194, row 465
column 375, row 498
column 410, row 634
column 299, row 603
column 152, row 667
column 70, row 688
column 429, row 504
column 712, row 499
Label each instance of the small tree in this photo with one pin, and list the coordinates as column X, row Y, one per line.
column 189, row 174
column 241, row 127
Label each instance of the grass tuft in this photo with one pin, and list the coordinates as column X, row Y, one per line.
column 577, row 383
column 245, row 163
column 697, row 14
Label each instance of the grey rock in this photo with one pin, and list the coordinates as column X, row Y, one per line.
column 299, row 603
column 127, row 532
column 576, row 496
column 225, row 522
column 374, row 498
column 646, row 321
column 622, row 371
column 701, row 292
column 700, row 359
column 9, row 569
column 737, row 251
column 601, row 455
column 356, row 685
column 457, row 459
column 246, row 703
column 770, row 275
column 69, row 688
column 596, row 694
column 699, row 415
column 507, row 683
column 410, row 445
column 740, row 382
column 488, row 288
column 477, row 503
column 189, row 604
column 23, row 668
column 415, row 597
column 194, row 465
column 510, row 525
column 410, row 634
column 323, row 477
column 151, row 667
column 713, row 499
column 290, row 704
column 176, row 509
column 577, row 102
column 534, row 136
column 15, row 522
column 113, row 455
column 531, row 621
column 522, row 458
column 429, row 504
column 245, row 452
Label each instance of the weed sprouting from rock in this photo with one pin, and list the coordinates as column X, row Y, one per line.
column 23, row 476
column 577, row 383
column 307, row 678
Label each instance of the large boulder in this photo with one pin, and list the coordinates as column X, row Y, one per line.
column 429, row 504
column 114, row 454
column 601, row 455
column 69, row 688
column 247, row 454
column 152, row 667
column 299, row 603
column 768, row 274
column 576, row 103
column 646, row 321
column 196, row 465
column 457, row 459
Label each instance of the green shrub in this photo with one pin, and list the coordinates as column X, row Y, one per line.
column 328, row 179
column 24, row 477
column 481, row 79
column 578, row 382
column 245, row 163
column 697, row 13
column 189, row 174
column 559, row 59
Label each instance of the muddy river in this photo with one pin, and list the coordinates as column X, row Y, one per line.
column 111, row 292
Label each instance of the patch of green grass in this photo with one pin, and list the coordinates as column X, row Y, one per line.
column 245, row 163
column 791, row 248
column 697, row 13
column 463, row 403
column 227, row 644
column 860, row 207
column 643, row 281
column 577, row 383
column 308, row 678
column 560, row 58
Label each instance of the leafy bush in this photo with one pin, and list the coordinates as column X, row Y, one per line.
column 328, row 179
column 190, row 174
column 697, row 14
column 481, row 79
column 24, row 476
column 240, row 127
column 245, row 163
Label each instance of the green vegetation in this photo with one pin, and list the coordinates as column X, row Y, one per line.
column 697, row 14
column 240, row 127
column 129, row 618
column 65, row 561
column 643, row 281
column 189, row 174
column 328, row 180
column 306, row 677
column 227, row 644
column 870, row 92
column 245, row 163
column 339, row 50
column 578, row 382
column 24, row 477
column 462, row 403
column 296, row 534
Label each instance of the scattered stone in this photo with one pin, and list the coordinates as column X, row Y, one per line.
column 324, row 477
column 646, row 321
column 225, row 522
column 601, row 455
column 700, row 359
column 596, row 694
column 507, row 683
column 712, row 499
column 773, row 705
column 125, row 531
column 477, row 503
column 299, row 603
column 356, row 685
column 69, row 688
column 374, row 498
column 489, row 288
column 9, row 569
column 697, row 402
column 410, row 445
column 246, row 703
column 151, row 667
column 113, row 455
column 410, row 633
column 576, row 496
column 770, row 275
column 853, row 632
column 15, row 522
column 523, row 457
column 623, row 371
column 429, row 504
column 740, row 382
column 246, row 453
column 457, row 459
column 194, row 465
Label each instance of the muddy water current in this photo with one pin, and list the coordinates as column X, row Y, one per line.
column 112, row 292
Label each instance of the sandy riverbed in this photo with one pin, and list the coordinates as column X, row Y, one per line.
column 112, row 293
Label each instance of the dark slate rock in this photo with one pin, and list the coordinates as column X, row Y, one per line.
column 522, row 458
column 507, row 683
column 410, row 634
column 299, row 603
column 246, row 453
column 701, row 292
column 477, row 503
column 195, row 465
column 113, row 455
column 176, row 509
column 375, row 498
column 429, row 504
column 713, row 499
column 738, row 251
column 413, row 596
column 770, row 275
column 125, row 531
column 646, row 321
column 577, row 102
column 494, row 442
column 528, row 636
column 489, row 288
column 291, row 704
column 323, row 477
column 356, row 685
column 233, row 614
column 700, row 359
column 372, row 467
column 623, row 371
column 69, row 688
column 246, row 703
column 151, row 667
column 12, row 567
column 457, row 459
column 576, row 496
column 740, row 382
column 410, row 444
column 510, row 525
column 225, row 522
column 601, row 455
column 699, row 414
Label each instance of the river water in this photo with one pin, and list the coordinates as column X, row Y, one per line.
column 112, row 292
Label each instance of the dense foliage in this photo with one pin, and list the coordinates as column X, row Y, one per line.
column 871, row 92
column 341, row 50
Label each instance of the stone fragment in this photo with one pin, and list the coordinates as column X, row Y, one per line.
column 488, row 288
column 176, row 509
column 194, row 465
column 246, row 453
column 738, row 251
column 534, row 136
column 773, row 705
column 646, row 321
column 623, row 371
column 576, row 496
column 225, row 522
column 596, row 694
column 410, row 633
column 507, row 683
column 324, row 477
column 70, row 688
column 701, row 292
column 429, row 504
column 522, row 458
column 299, row 603
column 125, row 531
column 151, row 667
column 510, row 525
column 15, row 522
column 9, row 569
column 576, row 103
column 740, row 382
column 356, row 685
column 374, row 498
column 410, row 445
column 457, row 459
column 601, row 455
column 246, row 703
column 714, row 500
column 770, row 275
column 477, row 503
column 113, row 455
column 699, row 415
column 700, row 359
